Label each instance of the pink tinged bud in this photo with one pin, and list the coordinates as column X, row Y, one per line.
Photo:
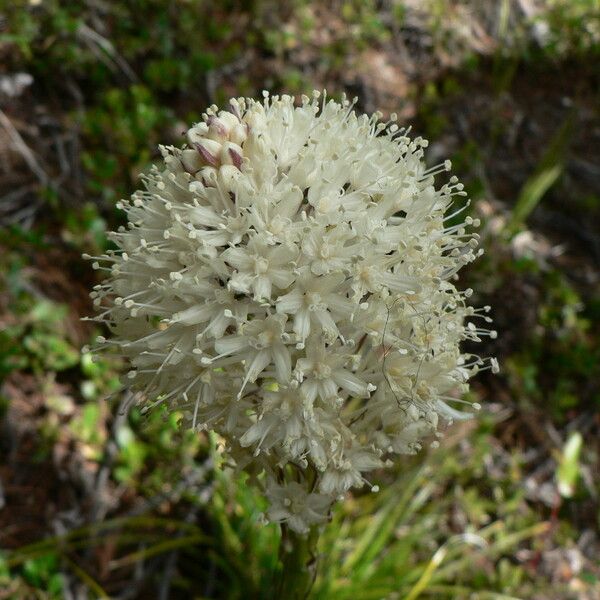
column 231, row 154
column 191, row 160
column 235, row 108
column 229, row 120
column 196, row 133
column 238, row 134
column 236, row 158
column 217, row 129
column 209, row 151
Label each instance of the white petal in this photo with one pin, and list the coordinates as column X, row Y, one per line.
column 329, row 482
column 262, row 287
column 257, row 431
column 350, row 382
column 195, row 314
column 283, row 363
column 217, row 327
column 231, row 344
column 339, row 304
column 290, row 303
column 451, row 413
column 302, row 323
column 309, row 389
column 297, row 524
column 277, row 514
column 258, row 364
column 282, row 278
column 238, row 258
column 326, row 322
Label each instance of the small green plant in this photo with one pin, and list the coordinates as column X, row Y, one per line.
column 37, row 577
column 37, row 342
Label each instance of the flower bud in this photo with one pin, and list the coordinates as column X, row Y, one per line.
column 191, row 160
column 228, row 119
column 196, row 133
column 231, row 154
column 209, row 151
column 238, row 134
column 218, row 129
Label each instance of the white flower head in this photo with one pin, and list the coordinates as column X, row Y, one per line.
column 286, row 279
column 295, row 505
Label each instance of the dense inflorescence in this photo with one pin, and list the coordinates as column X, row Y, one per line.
column 285, row 279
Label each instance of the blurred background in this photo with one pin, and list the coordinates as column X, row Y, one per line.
column 97, row 503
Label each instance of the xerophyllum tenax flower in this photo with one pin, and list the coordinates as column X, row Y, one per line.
column 286, row 280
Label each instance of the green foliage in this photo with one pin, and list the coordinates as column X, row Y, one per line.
column 125, row 125
column 396, row 543
column 156, row 451
column 571, row 26
column 38, row 577
column 85, row 429
column 545, row 175
column 244, row 548
column 100, row 375
column 393, row 543
column 42, row 573
column 118, row 67
column 567, row 345
column 84, row 227
column 37, row 341
column 569, row 467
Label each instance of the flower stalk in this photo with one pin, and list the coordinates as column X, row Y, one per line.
column 298, row 559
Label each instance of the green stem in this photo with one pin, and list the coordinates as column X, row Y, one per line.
column 297, row 555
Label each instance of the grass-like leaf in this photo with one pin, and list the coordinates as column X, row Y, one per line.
column 545, row 176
